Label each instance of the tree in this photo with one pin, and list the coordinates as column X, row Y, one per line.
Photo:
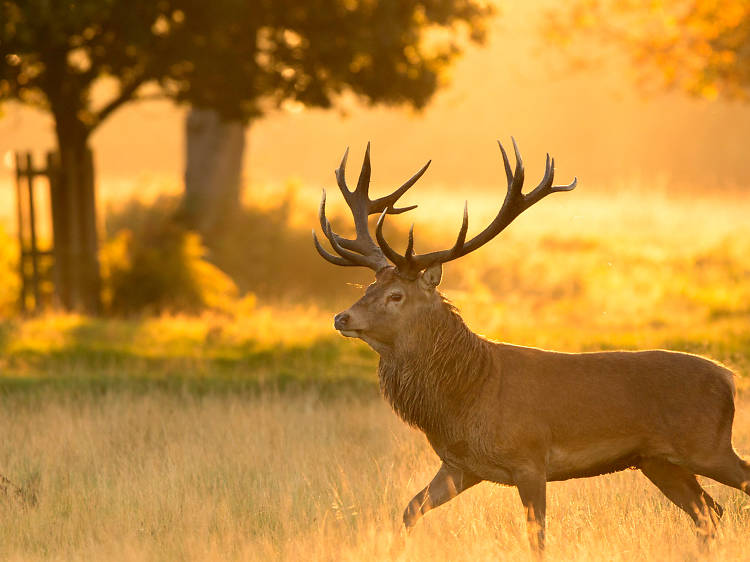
column 699, row 46
column 51, row 53
column 238, row 57
column 292, row 52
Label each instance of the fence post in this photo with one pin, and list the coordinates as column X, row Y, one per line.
column 34, row 250
column 21, row 257
column 75, row 266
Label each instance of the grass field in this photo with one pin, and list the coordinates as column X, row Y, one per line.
column 258, row 433
column 171, row 476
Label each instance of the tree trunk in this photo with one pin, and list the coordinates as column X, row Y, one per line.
column 74, row 219
column 213, row 168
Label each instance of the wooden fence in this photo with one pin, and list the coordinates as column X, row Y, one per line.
column 66, row 274
column 35, row 266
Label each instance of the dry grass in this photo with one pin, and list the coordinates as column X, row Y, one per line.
column 280, row 477
column 175, row 437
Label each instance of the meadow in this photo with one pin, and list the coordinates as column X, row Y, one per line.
column 254, row 432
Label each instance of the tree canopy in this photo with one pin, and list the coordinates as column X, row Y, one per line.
column 699, row 46
column 254, row 56
column 241, row 57
column 51, row 53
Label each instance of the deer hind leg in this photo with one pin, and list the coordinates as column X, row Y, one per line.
column 682, row 488
column 446, row 485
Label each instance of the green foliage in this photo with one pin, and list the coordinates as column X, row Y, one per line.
column 229, row 55
column 309, row 52
column 152, row 263
column 155, row 265
column 152, row 259
column 10, row 284
column 238, row 57
column 265, row 253
column 52, row 52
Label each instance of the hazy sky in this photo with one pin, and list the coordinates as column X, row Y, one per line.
column 595, row 123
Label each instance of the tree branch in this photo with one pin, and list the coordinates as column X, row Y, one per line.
column 126, row 94
column 151, row 97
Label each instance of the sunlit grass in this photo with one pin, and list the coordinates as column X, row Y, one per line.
column 255, row 432
column 576, row 272
column 164, row 476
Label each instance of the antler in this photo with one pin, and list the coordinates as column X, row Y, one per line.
column 362, row 250
column 514, row 204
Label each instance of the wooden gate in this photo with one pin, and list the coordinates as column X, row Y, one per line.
column 66, row 273
column 35, row 265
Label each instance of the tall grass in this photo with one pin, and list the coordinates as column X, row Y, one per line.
column 165, row 476
column 577, row 272
column 253, row 432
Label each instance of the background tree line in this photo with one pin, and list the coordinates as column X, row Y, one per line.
column 232, row 61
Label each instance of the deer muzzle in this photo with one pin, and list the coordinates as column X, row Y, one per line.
column 343, row 323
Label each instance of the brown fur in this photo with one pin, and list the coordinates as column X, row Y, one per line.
column 524, row 416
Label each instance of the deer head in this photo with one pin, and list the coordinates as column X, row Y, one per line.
column 405, row 286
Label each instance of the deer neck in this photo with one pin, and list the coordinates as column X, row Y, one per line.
column 433, row 375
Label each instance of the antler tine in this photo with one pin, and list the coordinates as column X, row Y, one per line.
column 322, row 212
column 325, row 224
column 410, row 245
column 388, row 201
column 398, row 260
column 506, row 164
column 363, row 183
column 372, row 259
column 336, row 260
column 545, row 187
column 412, row 264
column 458, row 246
column 366, row 256
column 363, row 187
column 340, row 173
column 519, row 175
column 549, row 173
column 457, row 249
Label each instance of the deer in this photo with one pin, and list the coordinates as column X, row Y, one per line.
column 524, row 416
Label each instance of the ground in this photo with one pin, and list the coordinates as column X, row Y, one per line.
column 257, row 433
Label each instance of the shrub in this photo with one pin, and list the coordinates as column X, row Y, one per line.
column 10, row 284
column 155, row 265
column 152, row 263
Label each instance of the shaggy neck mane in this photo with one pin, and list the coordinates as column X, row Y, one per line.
column 434, row 372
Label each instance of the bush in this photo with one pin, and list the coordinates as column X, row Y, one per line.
column 155, row 265
column 10, row 284
column 264, row 253
column 152, row 263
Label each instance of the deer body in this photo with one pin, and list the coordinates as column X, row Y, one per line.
column 579, row 415
column 524, row 416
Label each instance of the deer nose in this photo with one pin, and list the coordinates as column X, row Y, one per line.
column 341, row 320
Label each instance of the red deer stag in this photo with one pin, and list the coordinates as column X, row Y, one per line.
column 523, row 416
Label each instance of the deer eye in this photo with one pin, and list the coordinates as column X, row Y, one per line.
column 395, row 297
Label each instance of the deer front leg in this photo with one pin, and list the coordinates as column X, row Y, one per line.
column 447, row 484
column 532, row 487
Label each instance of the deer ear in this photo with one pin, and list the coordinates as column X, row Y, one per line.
column 430, row 277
